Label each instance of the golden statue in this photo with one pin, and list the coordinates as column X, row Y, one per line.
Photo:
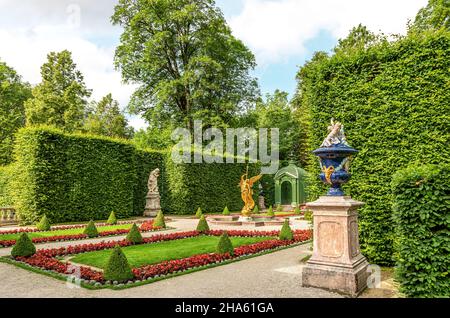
column 247, row 193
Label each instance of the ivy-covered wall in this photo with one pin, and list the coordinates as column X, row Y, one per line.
column 394, row 101
column 422, row 228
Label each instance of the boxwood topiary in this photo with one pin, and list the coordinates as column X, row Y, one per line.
column 44, row 224
column 286, row 232
column 225, row 246
column 255, row 209
column 202, row 226
column 134, row 235
column 91, row 230
column 297, row 211
column 24, row 247
column 270, row 211
column 226, row 211
column 112, row 218
column 159, row 220
column 199, row 213
column 118, row 269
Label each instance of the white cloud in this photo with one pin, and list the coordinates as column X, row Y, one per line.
column 278, row 29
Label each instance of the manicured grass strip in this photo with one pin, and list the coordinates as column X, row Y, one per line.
column 74, row 231
column 146, row 254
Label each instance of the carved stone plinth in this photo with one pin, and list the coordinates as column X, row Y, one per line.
column 153, row 204
column 337, row 263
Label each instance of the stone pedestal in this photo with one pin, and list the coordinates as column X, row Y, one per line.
column 337, row 263
column 153, row 204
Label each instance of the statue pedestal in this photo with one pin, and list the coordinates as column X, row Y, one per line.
column 337, row 263
column 153, row 204
column 261, row 203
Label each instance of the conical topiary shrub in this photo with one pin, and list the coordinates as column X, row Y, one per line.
column 159, row 220
column 279, row 209
column 199, row 213
column 24, row 247
column 91, row 230
column 112, row 218
column 134, row 235
column 297, row 211
column 256, row 209
column 44, row 224
column 202, row 226
column 270, row 211
column 225, row 245
column 226, row 211
column 117, row 268
column 286, row 232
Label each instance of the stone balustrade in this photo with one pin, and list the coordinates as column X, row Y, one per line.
column 8, row 215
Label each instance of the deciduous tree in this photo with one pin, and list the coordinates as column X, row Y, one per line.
column 185, row 59
column 105, row 118
column 61, row 98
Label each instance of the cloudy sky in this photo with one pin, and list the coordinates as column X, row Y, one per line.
column 283, row 34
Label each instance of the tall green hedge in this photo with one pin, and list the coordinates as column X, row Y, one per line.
column 422, row 226
column 394, row 100
column 77, row 177
column 208, row 186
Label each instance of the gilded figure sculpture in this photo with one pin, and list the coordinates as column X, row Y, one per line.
column 246, row 185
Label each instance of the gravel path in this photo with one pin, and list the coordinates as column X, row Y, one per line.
column 273, row 275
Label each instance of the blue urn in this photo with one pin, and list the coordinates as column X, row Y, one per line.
column 334, row 157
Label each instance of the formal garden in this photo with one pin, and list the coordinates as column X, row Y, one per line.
column 87, row 200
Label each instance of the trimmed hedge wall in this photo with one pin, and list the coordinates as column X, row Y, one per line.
column 422, row 227
column 77, row 177
column 208, row 186
column 394, row 101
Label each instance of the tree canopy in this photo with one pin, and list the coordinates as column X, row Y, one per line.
column 186, row 61
column 434, row 16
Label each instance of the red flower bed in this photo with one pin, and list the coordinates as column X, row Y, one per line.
column 45, row 258
column 73, row 237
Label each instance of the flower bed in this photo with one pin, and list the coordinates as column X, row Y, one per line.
column 46, row 259
column 66, row 227
column 145, row 227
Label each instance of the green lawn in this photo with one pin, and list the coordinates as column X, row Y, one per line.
column 145, row 254
column 64, row 232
